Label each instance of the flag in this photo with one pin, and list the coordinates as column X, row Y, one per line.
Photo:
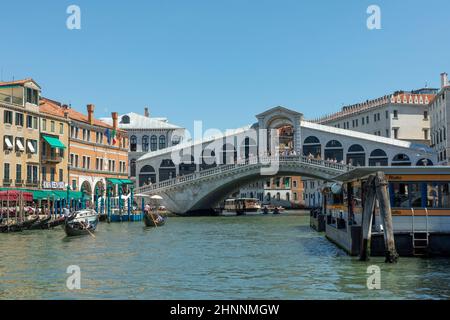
column 108, row 135
column 113, row 136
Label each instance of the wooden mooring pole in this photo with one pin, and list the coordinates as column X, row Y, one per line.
column 386, row 217
column 367, row 217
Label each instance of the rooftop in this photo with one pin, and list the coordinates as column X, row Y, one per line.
column 138, row 121
column 17, row 82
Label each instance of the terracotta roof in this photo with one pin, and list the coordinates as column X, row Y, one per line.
column 56, row 108
column 17, row 82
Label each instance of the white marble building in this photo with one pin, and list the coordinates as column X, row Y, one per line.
column 147, row 134
column 440, row 119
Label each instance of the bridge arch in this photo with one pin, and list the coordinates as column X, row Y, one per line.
column 356, row 156
column 401, row 159
column 167, row 170
column 312, row 146
column 334, row 151
column 378, row 158
column 147, row 175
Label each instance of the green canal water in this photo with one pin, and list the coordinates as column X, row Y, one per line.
column 265, row 257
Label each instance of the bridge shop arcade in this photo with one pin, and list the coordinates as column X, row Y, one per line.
column 418, row 200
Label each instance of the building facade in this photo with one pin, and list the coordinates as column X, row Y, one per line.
column 401, row 115
column 19, row 130
column 278, row 191
column 146, row 134
column 98, row 152
column 440, row 120
column 54, row 147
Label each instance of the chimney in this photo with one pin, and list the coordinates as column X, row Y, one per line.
column 146, row 113
column 444, row 80
column 90, row 110
column 115, row 119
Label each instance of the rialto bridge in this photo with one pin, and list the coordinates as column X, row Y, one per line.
column 196, row 176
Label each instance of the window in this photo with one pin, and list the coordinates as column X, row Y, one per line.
column 52, row 126
column 125, row 120
column 153, row 143
column 378, row 117
column 61, row 175
column 387, row 114
column 52, row 174
column 84, row 162
column 32, row 96
column 8, row 143
column 425, row 134
column 425, row 115
column 19, row 119
column 35, row 122
column 6, row 172
column 294, row 183
column 367, row 119
column 88, row 163
column 29, row 173
column 145, row 143
column 29, row 122
column 133, row 167
column 44, row 173
column 7, row 117
column 74, row 184
column 362, row 120
column 374, row 118
column 97, row 164
column 32, row 146
column 61, row 128
column 162, row 142
column 72, row 156
column 395, row 133
column 395, row 114
column 20, row 145
column 133, row 143
column 44, row 124
column 84, row 134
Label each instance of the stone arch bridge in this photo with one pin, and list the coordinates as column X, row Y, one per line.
column 196, row 176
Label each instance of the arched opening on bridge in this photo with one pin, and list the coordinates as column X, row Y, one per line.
column 312, row 146
column 249, row 148
column 334, row 151
column 167, row 170
column 401, row 160
column 286, row 135
column 208, row 160
column 133, row 168
column 147, row 175
column 424, row 163
column 378, row 158
column 356, row 156
column 229, row 154
column 187, row 165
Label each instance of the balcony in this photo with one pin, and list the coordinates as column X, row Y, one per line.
column 19, row 183
column 32, row 183
column 7, row 182
column 52, row 159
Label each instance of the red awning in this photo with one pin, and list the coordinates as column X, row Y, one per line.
column 14, row 195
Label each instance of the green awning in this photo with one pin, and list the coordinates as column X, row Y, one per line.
column 114, row 181
column 126, row 181
column 54, row 142
column 50, row 194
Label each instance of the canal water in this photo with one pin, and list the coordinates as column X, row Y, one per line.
column 264, row 257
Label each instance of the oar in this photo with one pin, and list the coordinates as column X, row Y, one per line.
column 87, row 229
column 156, row 225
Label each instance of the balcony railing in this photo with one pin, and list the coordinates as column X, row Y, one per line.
column 52, row 158
column 19, row 183
column 7, row 182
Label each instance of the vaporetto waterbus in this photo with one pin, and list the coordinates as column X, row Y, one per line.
column 420, row 208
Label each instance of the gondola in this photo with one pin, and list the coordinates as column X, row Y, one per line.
column 81, row 223
column 79, row 228
column 57, row 222
column 12, row 228
column 28, row 223
column 154, row 220
column 41, row 224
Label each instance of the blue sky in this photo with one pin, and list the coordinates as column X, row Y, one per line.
column 223, row 61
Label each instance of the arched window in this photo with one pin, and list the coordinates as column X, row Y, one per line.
column 424, row 163
column 133, row 143
column 145, row 143
column 269, row 196
column 334, row 151
column 229, row 154
column 167, row 170
column 278, row 196
column 153, row 143
column 378, row 158
column 187, row 165
column 133, row 168
column 147, row 175
column 401, row 160
column 162, row 142
column 312, row 146
column 356, row 156
column 208, row 159
column 248, row 148
column 295, row 196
